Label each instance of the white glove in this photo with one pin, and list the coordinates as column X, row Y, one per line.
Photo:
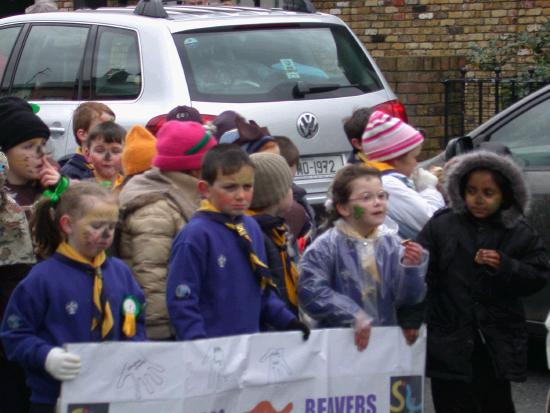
column 62, row 365
column 424, row 179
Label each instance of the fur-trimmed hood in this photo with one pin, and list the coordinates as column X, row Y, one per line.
column 489, row 160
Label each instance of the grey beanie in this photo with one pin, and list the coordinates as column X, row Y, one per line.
column 272, row 179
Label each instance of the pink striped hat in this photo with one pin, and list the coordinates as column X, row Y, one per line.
column 386, row 137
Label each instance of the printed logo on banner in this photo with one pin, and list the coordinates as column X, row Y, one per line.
column 406, row 394
column 266, row 407
column 88, row 408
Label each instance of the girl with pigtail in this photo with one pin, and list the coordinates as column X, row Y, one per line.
column 358, row 273
column 77, row 294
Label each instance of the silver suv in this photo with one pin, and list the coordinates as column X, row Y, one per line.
column 297, row 73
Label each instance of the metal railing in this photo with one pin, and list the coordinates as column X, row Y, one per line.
column 470, row 101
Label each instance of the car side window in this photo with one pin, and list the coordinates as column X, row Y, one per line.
column 8, row 36
column 528, row 136
column 50, row 63
column 116, row 72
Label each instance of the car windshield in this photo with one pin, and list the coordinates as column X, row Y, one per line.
column 251, row 64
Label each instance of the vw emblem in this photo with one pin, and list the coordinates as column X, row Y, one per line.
column 307, row 125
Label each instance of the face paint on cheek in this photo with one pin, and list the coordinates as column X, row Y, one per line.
column 106, row 233
column 358, row 212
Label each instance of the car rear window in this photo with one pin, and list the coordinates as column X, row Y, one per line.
column 274, row 63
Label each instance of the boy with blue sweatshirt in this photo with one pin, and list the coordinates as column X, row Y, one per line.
column 218, row 284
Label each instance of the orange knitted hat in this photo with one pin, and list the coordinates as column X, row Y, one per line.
column 139, row 150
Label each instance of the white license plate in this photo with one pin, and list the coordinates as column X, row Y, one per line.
column 319, row 166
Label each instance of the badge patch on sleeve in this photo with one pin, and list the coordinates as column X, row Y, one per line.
column 183, row 291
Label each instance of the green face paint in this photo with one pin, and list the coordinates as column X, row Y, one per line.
column 358, row 212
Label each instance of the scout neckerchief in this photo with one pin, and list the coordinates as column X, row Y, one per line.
column 385, row 169
column 207, row 210
column 368, row 260
column 381, row 166
column 278, row 232
column 102, row 315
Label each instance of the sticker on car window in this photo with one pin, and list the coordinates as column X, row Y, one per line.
column 290, row 68
column 190, row 42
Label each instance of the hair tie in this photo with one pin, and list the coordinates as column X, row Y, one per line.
column 59, row 189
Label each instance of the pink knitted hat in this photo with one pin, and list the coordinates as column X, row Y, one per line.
column 182, row 145
column 386, row 137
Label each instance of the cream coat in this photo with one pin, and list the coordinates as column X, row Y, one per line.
column 154, row 207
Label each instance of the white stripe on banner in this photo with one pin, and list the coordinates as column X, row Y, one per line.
column 260, row 373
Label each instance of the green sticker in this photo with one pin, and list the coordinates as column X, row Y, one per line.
column 358, row 212
column 35, row 107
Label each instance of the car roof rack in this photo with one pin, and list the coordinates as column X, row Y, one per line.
column 151, row 8
column 155, row 8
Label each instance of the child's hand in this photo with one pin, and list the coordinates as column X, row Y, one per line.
column 411, row 334
column 412, row 254
column 62, row 365
column 488, row 257
column 49, row 176
column 362, row 326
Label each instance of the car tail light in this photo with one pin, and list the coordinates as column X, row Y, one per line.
column 207, row 118
column 393, row 108
column 155, row 123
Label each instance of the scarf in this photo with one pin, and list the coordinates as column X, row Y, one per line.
column 381, row 166
column 235, row 224
column 278, row 233
column 102, row 314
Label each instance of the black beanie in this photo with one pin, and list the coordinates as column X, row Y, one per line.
column 18, row 123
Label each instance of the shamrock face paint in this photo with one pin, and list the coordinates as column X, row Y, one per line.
column 94, row 231
column 232, row 194
column 366, row 206
column 106, row 158
column 26, row 161
column 358, row 212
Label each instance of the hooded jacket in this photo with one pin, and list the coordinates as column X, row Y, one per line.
column 154, row 207
column 467, row 301
column 343, row 274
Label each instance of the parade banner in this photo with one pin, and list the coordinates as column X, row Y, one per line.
column 259, row 373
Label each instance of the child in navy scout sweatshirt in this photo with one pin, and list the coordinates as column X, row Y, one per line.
column 218, row 284
column 77, row 294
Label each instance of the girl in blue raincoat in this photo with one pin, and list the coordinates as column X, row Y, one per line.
column 359, row 272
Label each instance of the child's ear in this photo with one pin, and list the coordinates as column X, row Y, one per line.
column 81, row 135
column 204, row 188
column 356, row 143
column 66, row 224
column 343, row 210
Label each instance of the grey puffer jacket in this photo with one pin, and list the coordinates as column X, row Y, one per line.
column 154, row 207
column 467, row 301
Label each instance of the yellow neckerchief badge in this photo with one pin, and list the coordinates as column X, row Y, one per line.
column 381, row 166
column 255, row 262
column 102, row 309
column 279, row 237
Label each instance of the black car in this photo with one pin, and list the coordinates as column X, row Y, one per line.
column 525, row 129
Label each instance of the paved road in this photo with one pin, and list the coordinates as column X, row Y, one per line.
column 529, row 397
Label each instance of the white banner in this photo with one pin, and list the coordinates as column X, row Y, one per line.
column 259, row 373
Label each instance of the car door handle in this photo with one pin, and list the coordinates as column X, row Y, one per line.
column 58, row 131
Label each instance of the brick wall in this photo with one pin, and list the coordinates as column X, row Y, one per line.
column 418, row 43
